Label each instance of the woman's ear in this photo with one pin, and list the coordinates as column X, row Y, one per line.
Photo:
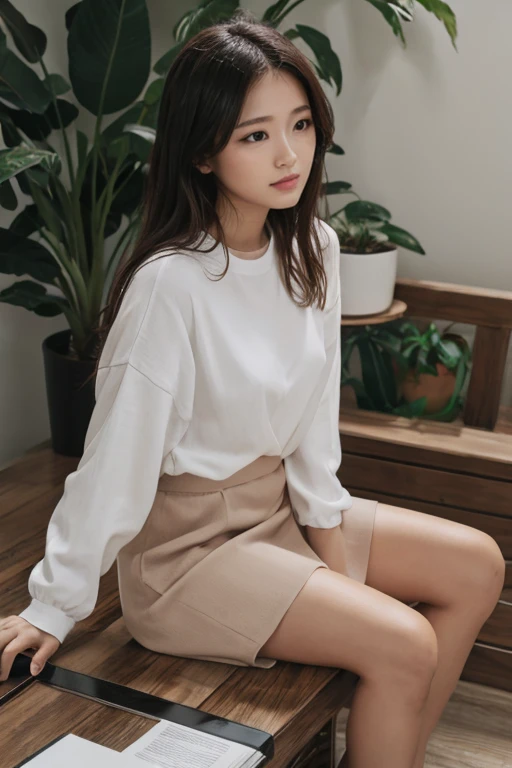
column 202, row 167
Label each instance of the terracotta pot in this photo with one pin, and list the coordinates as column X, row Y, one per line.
column 437, row 389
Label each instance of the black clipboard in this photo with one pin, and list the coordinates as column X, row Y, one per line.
column 154, row 707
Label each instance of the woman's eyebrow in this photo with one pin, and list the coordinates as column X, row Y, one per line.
column 268, row 118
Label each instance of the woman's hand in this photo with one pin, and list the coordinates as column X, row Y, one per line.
column 18, row 635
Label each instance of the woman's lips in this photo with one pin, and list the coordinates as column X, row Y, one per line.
column 286, row 184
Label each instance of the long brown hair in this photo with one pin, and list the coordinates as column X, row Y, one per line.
column 201, row 103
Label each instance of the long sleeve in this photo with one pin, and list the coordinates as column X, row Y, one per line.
column 316, row 493
column 144, row 392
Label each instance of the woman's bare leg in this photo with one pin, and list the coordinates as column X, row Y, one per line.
column 456, row 571
column 336, row 621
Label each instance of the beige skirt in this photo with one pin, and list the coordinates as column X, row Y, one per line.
column 219, row 562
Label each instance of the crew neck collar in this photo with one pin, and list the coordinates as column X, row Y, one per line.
column 248, row 266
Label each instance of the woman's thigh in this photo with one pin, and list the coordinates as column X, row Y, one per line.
column 369, row 628
column 416, row 557
column 336, row 621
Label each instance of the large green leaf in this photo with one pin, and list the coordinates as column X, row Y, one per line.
column 109, row 49
column 365, row 210
column 335, row 149
column 19, row 84
column 8, row 199
column 38, row 127
column 12, row 137
column 128, row 197
column 154, row 92
column 22, row 256
column 327, row 59
column 28, row 39
column 49, row 211
column 141, row 139
column 404, row 8
column 402, row 238
column 391, row 17
column 336, row 187
column 35, row 297
column 444, row 13
column 70, row 14
column 7, row 95
column 27, row 221
column 142, row 113
column 275, row 14
column 377, row 373
column 57, row 84
column 163, row 64
column 202, row 15
column 18, row 159
column 363, row 399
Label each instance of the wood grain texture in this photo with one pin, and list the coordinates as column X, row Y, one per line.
column 445, row 445
column 437, row 486
column 461, row 303
column 473, row 731
column 483, row 397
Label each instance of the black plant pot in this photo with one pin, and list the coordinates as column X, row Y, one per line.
column 70, row 401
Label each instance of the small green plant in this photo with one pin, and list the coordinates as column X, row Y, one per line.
column 365, row 227
column 389, row 353
column 423, row 351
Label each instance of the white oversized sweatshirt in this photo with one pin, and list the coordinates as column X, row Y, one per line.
column 203, row 376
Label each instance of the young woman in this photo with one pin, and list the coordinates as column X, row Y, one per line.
column 211, row 459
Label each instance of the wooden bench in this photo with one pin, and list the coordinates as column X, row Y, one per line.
column 460, row 470
column 296, row 703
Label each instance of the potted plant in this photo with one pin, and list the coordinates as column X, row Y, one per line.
column 406, row 372
column 368, row 256
column 436, row 366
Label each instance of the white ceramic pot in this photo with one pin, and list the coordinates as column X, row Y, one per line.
column 367, row 282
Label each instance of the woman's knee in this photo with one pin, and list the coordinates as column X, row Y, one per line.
column 413, row 660
column 484, row 570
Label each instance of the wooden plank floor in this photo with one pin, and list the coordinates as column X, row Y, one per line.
column 475, row 730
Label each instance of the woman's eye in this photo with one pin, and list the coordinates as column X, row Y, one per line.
column 306, row 120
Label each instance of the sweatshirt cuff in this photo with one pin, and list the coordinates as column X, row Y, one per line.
column 331, row 521
column 49, row 619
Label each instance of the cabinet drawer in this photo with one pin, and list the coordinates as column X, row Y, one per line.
column 453, row 489
column 497, row 526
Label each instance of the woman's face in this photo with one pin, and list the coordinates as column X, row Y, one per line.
column 260, row 154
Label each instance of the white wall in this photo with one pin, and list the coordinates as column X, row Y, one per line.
column 426, row 134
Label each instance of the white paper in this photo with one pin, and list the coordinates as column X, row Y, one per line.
column 76, row 752
column 171, row 745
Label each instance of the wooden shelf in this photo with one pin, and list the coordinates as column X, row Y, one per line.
column 448, row 444
column 397, row 309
